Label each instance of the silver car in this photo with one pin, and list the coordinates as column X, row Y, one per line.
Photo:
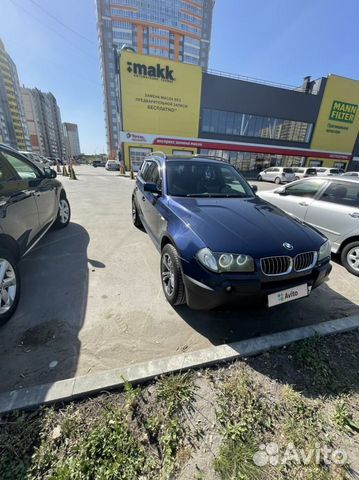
column 330, row 204
column 277, row 175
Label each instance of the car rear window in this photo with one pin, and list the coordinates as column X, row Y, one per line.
column 334, row 170
column 288, row 170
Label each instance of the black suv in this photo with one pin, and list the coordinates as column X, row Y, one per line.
column 31, row 201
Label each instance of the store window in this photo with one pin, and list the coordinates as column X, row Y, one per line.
column 182, row 153
column 315, row 163
column 243, row 124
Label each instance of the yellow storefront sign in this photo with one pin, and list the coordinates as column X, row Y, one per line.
column 338, row 121
column 159, row 96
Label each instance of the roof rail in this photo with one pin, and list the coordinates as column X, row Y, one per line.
column 215, row 157
column 159, row 152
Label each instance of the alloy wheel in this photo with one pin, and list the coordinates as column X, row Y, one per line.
column 353, row 258
column 7, row 285
column 64, row 210
column 168, row 276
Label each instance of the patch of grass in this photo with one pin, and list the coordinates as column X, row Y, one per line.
column 241, row 407
column 175, row 394
column 343, row 418
column 235, row 462
column 327, row 366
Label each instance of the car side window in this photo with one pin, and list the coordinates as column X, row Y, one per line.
column 342, row 194
column 145, row 170
column 304, row 189
column 23, row 169
column 154, row 174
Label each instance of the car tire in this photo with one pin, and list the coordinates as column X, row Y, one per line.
column 63, row 214
column 171, row 276
column 11, row 270
column 135, row 215
column 349, row 253
column 259, row 178
column 278, row 181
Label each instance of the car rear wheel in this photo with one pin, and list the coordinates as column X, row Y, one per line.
column 171, row 276
column 350, row 258
column 64, row 213
column 135, row 215
column 259, row 178
column 278, row 181
column 9, row 285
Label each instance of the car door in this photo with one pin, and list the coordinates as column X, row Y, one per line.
column 19, row 216
column 267, row 174
column 296, row 198
column 336, row 211
column 153, row 201
column 44, row 188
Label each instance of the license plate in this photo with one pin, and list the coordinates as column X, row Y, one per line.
column 288, row 295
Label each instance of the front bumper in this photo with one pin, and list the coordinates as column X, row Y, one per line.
column 252, row 289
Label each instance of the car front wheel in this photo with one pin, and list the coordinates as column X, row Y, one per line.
column 135, row 215
column 9, row 285
column 350, row 258
column 171, row 276
column 64, row 213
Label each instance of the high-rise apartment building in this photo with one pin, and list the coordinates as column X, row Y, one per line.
column 13, row 126
column 179, row 30
column 32, row 119
column 48, row 120
column 72, row 141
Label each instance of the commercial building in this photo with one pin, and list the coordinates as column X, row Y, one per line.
column 44, row 116
column 177, row 30
column 173, row 107
column 13, row 126
column 72, row 140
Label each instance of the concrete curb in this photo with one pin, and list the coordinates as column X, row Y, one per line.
column 65, row 390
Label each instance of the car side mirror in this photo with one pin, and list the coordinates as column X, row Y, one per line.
column 151, row 187
column 280, row 191
column 49, row 173
column 254, row 188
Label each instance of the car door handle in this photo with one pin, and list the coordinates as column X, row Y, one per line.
column 303, row 204
column 354, row 214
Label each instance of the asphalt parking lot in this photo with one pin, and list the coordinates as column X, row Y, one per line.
column 92, row 298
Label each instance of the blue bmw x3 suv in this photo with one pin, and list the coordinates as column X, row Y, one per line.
column 219, row 242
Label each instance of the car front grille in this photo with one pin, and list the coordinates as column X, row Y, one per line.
column 276, row 265
column 304, row 261
column 282, row 265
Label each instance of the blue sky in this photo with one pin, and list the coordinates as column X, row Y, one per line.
column 276, row 40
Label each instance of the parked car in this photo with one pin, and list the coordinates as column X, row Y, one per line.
column 304, row 172
column 325, row 172
column 99, row 163
column 112, row 165
column 330, row 204
column 31, row 201
column 352, row 175
column 277, row 174
column 219, row 242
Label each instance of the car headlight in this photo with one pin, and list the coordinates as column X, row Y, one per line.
column 325, row 251
column 225, row 262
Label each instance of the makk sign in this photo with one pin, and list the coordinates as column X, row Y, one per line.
column 159, row 96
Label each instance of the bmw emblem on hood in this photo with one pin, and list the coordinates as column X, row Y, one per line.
column 288, row 246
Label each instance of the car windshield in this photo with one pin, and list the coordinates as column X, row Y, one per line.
column 197, row 178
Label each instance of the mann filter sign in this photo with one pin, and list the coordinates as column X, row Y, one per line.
column 337, row 125
column 343, row 112
column 159, row 96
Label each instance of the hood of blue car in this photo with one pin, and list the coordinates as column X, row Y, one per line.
column 251, row 226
